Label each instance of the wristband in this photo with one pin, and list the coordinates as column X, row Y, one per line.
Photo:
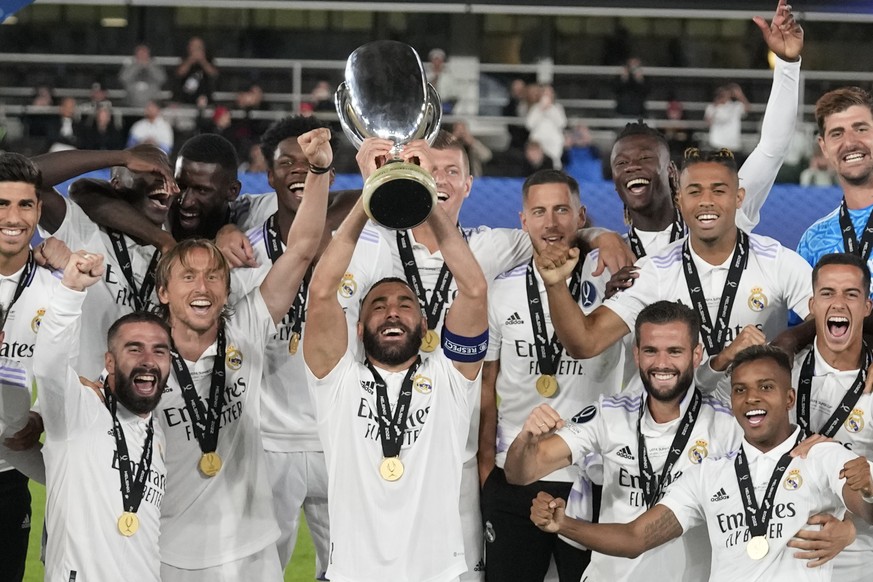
column 318, row 169
column 464, row 349
column 867, row 498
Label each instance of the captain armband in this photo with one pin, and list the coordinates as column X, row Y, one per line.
column 464, row 349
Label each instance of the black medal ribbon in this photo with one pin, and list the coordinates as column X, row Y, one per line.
column 23, row 281
column 132, row 484
column 804, row 396
column 141, row 295
column 548, row 352
column 676, row 232
column 651, row 485
column 714, row 335
column 297, row 312
column 391, row 427
column 204, row 418
column 758, row 516
column 851, row 243
column 433, row 308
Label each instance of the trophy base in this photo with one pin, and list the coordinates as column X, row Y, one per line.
column 399, row 195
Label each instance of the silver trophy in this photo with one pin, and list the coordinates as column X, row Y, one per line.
column 386, row 95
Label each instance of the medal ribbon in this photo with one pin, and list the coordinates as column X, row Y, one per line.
column 677, row 232
column 757, row 517
column 23, row 281
column 297, row 311
column 391, row 428
column 548, row 352
column 204, row 419
column 132, row 486
column 714, row 336
column 804, row 395
column 850, row 240
column 652, row 486
column 433, row 308
column 141, row 296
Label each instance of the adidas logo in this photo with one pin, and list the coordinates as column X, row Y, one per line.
column 721, row 495
column 625, row 453
column 514, row 319
column 26, row 523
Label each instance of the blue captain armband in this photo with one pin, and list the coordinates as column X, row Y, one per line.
column 464, row 349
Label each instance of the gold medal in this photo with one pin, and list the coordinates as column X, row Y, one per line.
column 128, row 524
column 391, row 468
column 757, row 547
column 430, row 341
column 547, row 385
column 293, row 343
column 210, row 464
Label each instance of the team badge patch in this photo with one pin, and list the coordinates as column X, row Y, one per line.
column 793, row 481
column 587, row 413
column 348, row 286
column 233, row 358
column 37, row 319
column 422, row 384
column 589, row 294
column 855, row 421
column 698, row 451
column 757, row 299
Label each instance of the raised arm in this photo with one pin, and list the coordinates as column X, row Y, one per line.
column 858, row 489
column 283, row 280
column 57, row 167
column 537, row 451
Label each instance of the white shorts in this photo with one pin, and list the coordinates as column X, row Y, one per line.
column 263, row 566
column 471, row 522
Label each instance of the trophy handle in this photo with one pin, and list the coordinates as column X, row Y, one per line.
column 347, row 116
column 433, row 114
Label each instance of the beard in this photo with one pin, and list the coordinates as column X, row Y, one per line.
column 127, row 395
column 683, row 383
column 392, row 355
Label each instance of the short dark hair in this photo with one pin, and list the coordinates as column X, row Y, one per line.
column 291, row 126
column 663, row 312
column 446, row 141
column 724, row 156
column 211, row 148
column 384, row 281
column 136, row 317
column 640, row 128
column 761, row 352
column 849, row 259
column 839, row 100
column 550, row 177
column 17, row 168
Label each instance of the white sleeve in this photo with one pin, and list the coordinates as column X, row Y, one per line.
column 495, row 335
column 758, row 172
column 628, row 303
column 711, row 382
column 76, row 229
column 593, row 288
column 252, row 318
column 583, row 435
column 500, row 249
column 14, row 397
column 829, row 459
column 29, row 462
column 326, row 391
column 795, row 277
column 251, row 210
column 681, row 498
column 65, row 403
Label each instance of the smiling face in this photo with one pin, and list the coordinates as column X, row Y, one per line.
column 839, row 304
column 205, row 190
column 709, row 196
column 138, row 363
column 146, row 191
column 391, row 323
column 453, row 179
column 551, row 214
column 195, row 289
column 19, row 215
column 288, row 174
column 847, row 142
column 641, row 171
column 761, row 398
column 667, row 355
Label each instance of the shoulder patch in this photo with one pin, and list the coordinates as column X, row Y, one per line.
column 588, row 293
column 585, row 415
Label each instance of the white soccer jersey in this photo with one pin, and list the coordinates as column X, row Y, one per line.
column 511, row 342
column 829, row 386
column 775, row 280
column 84, row 500
column 14, row 397
column 210, row 521
column 251, row 210
column 112, row 297
column 407, row 529
column 609, row 428
column 709, row 494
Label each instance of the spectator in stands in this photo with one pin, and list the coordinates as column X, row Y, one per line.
column 322, row 97
column 517, row 107
column 247, row 130
column 39, row 123
column 818, row 173
column 439, row 75
column 535, row 159
column 678, row 135
column 546, row 121
column 196, row 76
column 254, row 161
column 581, row 157
column 88, row 110
column 478, row 153
column 631, row 90
column 101, row 131
column 43, row 97
column 725, row 115
column 64, row 129
column 141, row 77
column 153, row 129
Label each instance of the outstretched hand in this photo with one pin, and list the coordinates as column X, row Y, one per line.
column 783, row 35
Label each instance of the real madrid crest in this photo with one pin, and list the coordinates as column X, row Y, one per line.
column 422, row 384
column 348, row 286
column 793, row 481
column 233, row 358
column 855, row 421
column 37, row 319
column 698, row 451
column 757, row 299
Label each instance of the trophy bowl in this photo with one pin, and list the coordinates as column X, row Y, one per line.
column 386, row 94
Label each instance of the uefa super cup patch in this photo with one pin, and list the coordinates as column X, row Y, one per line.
column 586, row 414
